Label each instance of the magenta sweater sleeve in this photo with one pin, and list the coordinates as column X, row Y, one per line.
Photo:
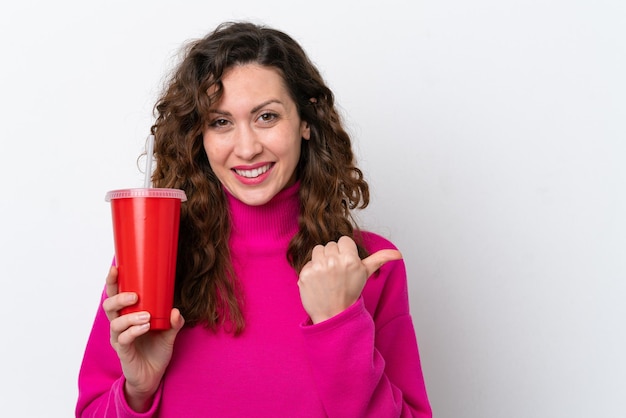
column 365, row 361
column 100, row 381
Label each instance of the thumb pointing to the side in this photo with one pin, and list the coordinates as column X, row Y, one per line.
column 378, row 259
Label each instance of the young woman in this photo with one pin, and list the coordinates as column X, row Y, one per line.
column 284, row 308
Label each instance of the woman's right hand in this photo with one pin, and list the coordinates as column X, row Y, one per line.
column 144, row 355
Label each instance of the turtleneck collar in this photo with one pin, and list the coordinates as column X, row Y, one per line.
column 273, row 223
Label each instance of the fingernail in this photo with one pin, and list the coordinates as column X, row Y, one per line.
column 143, row 316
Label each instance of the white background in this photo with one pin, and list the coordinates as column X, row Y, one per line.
column 493, row 134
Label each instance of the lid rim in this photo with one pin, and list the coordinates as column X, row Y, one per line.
column 152, row 192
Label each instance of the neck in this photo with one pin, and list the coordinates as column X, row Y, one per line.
column 273, row 223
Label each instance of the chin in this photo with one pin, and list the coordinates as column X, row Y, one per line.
column 255, row 199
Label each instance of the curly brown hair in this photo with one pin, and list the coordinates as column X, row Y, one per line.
column 331, row 185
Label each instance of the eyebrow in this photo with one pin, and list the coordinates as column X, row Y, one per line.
column 253, row 110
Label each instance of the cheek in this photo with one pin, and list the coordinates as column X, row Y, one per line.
column 206, row 144
column 213, row 152
column 287, row 150
column 289, row 143
column 294, row 155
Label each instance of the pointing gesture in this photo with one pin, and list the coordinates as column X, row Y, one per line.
column 334, row 278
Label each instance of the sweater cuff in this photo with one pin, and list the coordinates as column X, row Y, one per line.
column 124, row 410
column 353, row 311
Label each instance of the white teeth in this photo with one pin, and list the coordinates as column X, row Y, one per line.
column 253, row 173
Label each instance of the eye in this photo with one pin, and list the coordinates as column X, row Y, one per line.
column 218, row 123
column 268, row 117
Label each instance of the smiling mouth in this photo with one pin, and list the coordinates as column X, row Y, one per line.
column 255, row 172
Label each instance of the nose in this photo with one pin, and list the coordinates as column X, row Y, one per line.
column 247, row 144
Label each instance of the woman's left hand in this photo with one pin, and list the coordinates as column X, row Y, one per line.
column 335, row 277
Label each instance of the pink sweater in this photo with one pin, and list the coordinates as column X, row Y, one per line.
column 363, row 362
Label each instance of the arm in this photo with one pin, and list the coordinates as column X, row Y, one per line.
column 100, row 380
column 124, row 363
column 365, row 359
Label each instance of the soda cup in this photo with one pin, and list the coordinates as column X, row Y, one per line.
column 146, row 222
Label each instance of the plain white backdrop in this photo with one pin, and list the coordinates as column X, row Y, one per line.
column 493, row 134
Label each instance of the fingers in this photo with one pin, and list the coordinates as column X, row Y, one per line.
column 176, row 319
column 346, row 244
column 176, row 322
column 347, row 247
column 126, row 328
column 374, row 261
column 111, row 281
column 379, row 258
column 112, row 305
column 116, row 301
column 335, row 277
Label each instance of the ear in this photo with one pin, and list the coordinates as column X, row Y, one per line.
column 305, row 130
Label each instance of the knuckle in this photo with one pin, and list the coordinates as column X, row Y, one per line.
column 107, row 305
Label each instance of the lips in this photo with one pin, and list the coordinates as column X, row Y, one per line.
column 255, row 172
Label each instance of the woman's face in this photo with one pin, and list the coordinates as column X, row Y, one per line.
column 253, row 134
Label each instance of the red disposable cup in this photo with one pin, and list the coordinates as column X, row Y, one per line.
column 146, row 222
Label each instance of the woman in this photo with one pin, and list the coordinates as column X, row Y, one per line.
column 280, row 318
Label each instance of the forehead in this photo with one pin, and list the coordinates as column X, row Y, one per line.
column 253, row 76
column 249, row 84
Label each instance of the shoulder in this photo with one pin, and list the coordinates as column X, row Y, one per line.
column 374, row 242
column 386, row 292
